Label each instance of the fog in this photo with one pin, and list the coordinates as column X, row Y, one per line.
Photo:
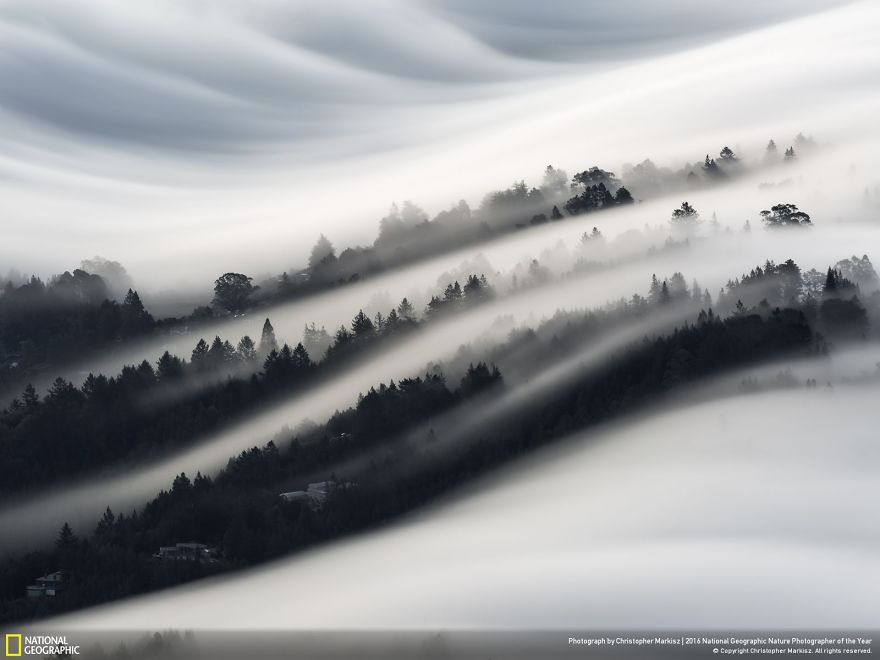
column 188, row 139
column 182, row 169
column 36, row 517
column 737, row 513
column 844, row 225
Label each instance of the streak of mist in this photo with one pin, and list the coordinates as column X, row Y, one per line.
column 80, row 503
column 844, row 226
column 712, row 260
column 750, row 512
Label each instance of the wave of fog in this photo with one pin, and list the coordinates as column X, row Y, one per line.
column 712, row 260
column 823, row 184
column 162, row 157
column 37, row 517
column 751, row 512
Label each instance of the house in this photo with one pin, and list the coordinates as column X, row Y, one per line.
column 48, row 585
column 186, row 552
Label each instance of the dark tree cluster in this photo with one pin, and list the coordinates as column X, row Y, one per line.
column 596, row 189
column 239, row 511
column 475, row 291
column 49, row 323
column 785, row 215
column 837, row 311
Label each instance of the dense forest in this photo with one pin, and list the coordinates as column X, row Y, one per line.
column 388, row 454
column 146, row 410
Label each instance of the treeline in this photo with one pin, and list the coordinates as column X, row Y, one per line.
column 240, row 511
column 147, row 409
column 45, row 324
column 407, row 233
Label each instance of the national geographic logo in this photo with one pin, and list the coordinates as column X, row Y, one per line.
column 18, row 645
column 13, row 645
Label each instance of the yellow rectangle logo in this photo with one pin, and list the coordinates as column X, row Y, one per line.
column 13, row 637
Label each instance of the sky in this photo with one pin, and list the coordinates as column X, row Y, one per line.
column 189, row 139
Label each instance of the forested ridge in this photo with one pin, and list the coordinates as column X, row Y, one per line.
column 241, row 513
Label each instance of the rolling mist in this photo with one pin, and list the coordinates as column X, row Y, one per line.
column 397, row 316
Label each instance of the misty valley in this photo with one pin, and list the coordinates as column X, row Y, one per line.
column 405, row 442
column 302, row 339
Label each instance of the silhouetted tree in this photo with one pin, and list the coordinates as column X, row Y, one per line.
column 406, row 310
column 322, row 253
column 233, row 291
column 685, row 216
column 268, row 343
column 361, row 325
column 785, row 215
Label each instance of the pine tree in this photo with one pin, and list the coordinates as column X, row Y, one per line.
column 301, row 360
column 406, row 310
column 361, row 325
column 169, row 366
column 268, row 343
column 133, row 301
column 30, row 397
column 654, row 290
column 200, row 354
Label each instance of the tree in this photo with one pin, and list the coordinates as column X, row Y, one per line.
column 555, row 181
column 710, row 167
column 789, row 155
column 66, row 540
column 322, row 253
column 361, row 325
column 665, row 297
column 555, row 213
column 785, row 215
column 300, row 358
column 232, row 291
column 112, row 272
column 247, row 350
column 268, row 343
column 771, row 153
column 199, row 356
column 133, row 301
column 316, row 341
column 453, row 293
column 728, row 156
column 169, row 367
column 406, row 310
column 685, row 216
column 623, row 196
column 478, row 378
column 654, row 290
column 792, row 281
column 30, row 397
column 678, row 286
column 593, row 177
